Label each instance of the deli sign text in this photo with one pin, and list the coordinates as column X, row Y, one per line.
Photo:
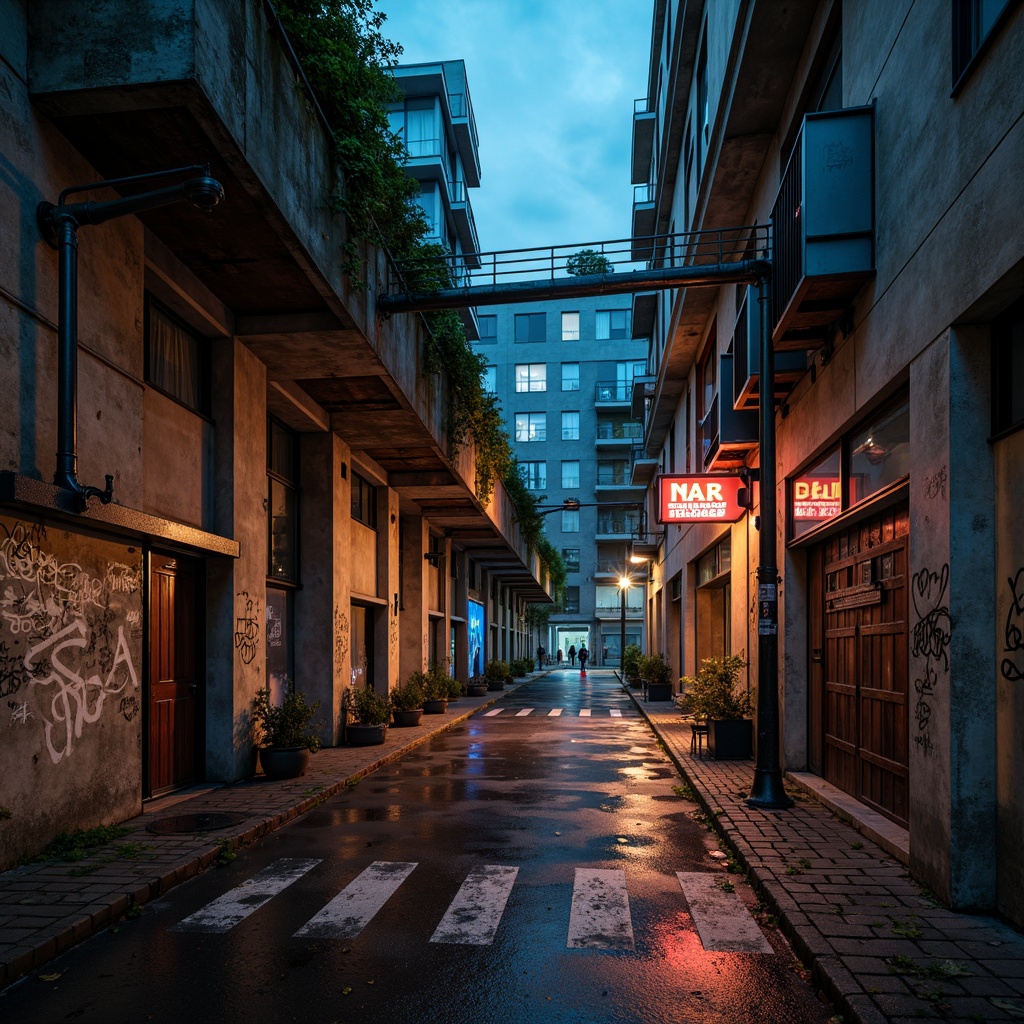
column 707, row 498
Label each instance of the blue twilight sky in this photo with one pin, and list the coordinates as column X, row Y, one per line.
column 552, row 84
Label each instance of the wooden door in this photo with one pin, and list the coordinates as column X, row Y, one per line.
column 865, row 662
column 173, row 674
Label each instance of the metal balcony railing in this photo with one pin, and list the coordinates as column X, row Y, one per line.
column 613, row 391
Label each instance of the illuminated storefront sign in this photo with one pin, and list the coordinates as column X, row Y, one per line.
column 816, row 498
column 710, row 498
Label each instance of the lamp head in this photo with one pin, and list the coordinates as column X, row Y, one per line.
column 625, row 582
column 203, row 193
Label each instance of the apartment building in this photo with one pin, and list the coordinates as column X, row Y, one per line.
column 563, row 371
column 882, row 145
column 277, row 503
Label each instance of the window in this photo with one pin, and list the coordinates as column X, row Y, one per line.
column 612, row 473
column 570, row 426
column 531, row 377
column 488, row 329
column 571, row 557
column 974, row 22
column 489, row 378
column 617, row 521
column 609, row 598
column 531, row 426
column 570, row 327
column 570, row 474
column 419, row 123
column 364, row 502
column 570, row 520
column 282, row 502
column 703, row 121
column 531, row 326
column 534, row 474
column 616, row 428
column 614, row 324
column 1008, row 371
column 570, row 376
column 176, row 359
column 280, row 656
column 571, row 600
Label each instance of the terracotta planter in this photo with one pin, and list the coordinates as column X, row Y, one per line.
column 284, row 762
column 435, row 707
column 731, row 739
column 365, row 735
column 407, row 718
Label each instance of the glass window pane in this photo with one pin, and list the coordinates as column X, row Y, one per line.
column 283, row 531
column 570, row 327
column 816, row 495
column 570, row 376
column 174, row 358
column 570, row 521
column 488, row 329
column 571, row 557
column 570, row 426
column 880, row 455
column 530, row 326
column 570, row 474
column 279, row 643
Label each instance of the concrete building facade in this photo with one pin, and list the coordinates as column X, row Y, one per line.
column 563, row 371
column 280, row 508
column 881, row 143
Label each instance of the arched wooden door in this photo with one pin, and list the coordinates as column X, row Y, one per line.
column 173, row 733
column 865, row 667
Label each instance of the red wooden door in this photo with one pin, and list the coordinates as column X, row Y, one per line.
column 865, row 663
column 173, row 679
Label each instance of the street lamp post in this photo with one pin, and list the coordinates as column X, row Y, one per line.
column 624, row 584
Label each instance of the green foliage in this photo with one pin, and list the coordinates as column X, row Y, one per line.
column 554, row 565
column 367, row 707
column 713, row 693
column 521, row 667
column 653, row 668
column 536, row 615
column 408, row 697
column 631, row 661
column 588, row 261
column 436, row 683
column 456, row 688
column 497, row 670
column 286, row 724
column 82, row 841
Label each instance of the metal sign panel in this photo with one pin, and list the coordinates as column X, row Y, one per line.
column 704, row 498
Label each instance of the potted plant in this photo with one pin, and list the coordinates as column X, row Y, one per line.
column 631, row 665
column 407, row 703
column 656, row 675
column 477, row 686
column 369, row 714
column 520, row 667
column 435, row 690
column 456, row 689
column 713, row 694
column 283, row 733
column 496, row 672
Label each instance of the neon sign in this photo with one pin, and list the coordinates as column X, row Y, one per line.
column 707, row 498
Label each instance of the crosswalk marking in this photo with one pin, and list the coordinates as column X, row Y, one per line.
column 524, row 712
column 491, row 714
column 615, row 713
column 352, row 909
column 584, row 712
column 599, row 916
column 554, row 712
column 474, row 914
column 235, row 906
column 723, row 923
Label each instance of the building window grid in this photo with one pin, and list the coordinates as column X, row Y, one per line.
column 364, row 502
column 282, row 503
column 570, row 376
column 531, row 377
column 570, row 426
column 534, row 475
column 530, row 327
column 570, row 474
column 571, row 326
column 531, row 426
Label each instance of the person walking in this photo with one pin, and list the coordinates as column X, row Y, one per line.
column 572, row 654
column 583, row 654
column 558, row 657
column 540, row 656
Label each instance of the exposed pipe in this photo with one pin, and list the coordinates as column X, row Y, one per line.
column 59, row 226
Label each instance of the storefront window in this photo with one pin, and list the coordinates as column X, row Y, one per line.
column 880, row 453
column 817, row 495
column 279, row 643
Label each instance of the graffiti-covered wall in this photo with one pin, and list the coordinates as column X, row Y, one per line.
column 70, row 683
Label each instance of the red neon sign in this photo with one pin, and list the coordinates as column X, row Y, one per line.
column 708, row 498
column 817, row 498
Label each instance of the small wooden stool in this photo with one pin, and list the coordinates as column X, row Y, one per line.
column 698, row 730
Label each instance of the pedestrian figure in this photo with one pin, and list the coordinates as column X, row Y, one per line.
column 583, row 655
column 540, row 656
column 572, row 654
column 558, row 656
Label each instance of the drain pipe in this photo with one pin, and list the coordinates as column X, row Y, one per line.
column 59, row 226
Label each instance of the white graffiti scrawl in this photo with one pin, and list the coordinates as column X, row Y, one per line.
column 76, row 699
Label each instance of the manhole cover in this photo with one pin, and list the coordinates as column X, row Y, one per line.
column 193, row 823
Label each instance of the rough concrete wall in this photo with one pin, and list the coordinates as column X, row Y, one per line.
column 70, row 677
column 175, row 460
column 236, row 589
column 1009, row 644
column 415, row 597
column 389, row 624
column 363, row 568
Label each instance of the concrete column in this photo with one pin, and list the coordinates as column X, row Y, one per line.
column 414, row 619
column 322, row 606
column 951, row 609
column 236, row 588
column 389, row 626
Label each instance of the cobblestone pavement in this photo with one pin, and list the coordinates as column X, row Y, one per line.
column 876, row 943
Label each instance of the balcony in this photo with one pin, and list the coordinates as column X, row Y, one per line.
column 644, row 389
column 644, row 123
column 727, row 435
column 465, row 224
column 790, row 366
column 617, row 527
column 608, row 393
column 645, row 308
column 642, row 245
column 641, row 468
column 823, row 226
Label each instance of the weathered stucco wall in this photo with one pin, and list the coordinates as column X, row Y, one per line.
column 70, row 677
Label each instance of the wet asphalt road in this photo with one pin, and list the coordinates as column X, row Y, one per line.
column 540, row 795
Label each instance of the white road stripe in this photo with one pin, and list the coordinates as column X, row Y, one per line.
column 615, row 713
column 584, row 712
column 554, row 712
column 474, row 915
column 353, row 908
column 599, row 917
column 723, row 923
column 491, row 714
column 235, row 906
column 524, row 712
